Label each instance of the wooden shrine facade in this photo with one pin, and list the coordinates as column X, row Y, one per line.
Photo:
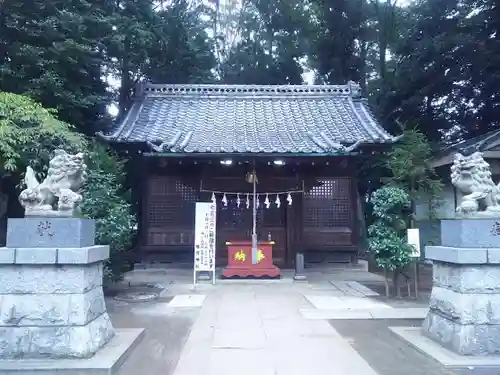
column 302, row 139
column 322, row 220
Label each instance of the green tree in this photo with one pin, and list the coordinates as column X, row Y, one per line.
column 29, row 133
column 337, row 27
column 386, row 236
column 187, row 55
column 408, row 165
column 272, row 43
column 446, row 74
column 52, row 51
column 157, row 42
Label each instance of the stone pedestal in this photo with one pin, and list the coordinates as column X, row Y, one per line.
column 464, row 313
column 51, row 298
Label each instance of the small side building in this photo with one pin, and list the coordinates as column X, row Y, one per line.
column 198, row 141
column 445, row 206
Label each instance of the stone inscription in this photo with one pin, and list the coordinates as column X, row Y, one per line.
column 44, row 228
column 495, row 230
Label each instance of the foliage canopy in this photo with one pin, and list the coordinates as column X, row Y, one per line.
column 408, row 164
column 29, row 133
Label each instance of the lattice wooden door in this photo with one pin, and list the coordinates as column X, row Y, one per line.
column 328, row 215
column 170, row 216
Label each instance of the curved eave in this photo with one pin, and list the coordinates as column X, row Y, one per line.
column 122, row 131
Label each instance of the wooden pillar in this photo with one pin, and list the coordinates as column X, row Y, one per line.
column 355, row 225
column 142, row 208
column 294, row 228
column 299, row 218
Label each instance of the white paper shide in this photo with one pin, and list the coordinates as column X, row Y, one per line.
column 204, row 238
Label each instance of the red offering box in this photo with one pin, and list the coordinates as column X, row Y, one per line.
column 239, row 262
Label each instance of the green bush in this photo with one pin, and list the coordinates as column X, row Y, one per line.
column 105, row 200
column 387, row 235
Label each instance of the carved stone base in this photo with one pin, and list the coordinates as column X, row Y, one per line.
column 464, row 310
column 471, row 233
column 106, row 361
column 52, row 302
column 55, row 232
column 465, row 339
column 79, row 341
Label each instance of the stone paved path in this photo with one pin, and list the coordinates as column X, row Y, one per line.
column 258, row 329
column 268, row 327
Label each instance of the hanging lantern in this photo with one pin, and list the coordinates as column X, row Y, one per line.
column 251, row 178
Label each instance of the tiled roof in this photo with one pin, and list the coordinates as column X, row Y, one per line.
column 480, row 143
column 249, row 119
column 483, row 143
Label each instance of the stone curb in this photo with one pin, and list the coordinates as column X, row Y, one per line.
column 366, row 314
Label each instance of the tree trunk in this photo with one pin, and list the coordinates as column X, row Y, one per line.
column 395, row 283
column 126, row 82
column 386, row 284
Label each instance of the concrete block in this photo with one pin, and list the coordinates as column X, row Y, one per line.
column 22, row 310
column 464, row 339
column 83, row 255
column 494, row 256
column 50, row 279
column 106, row 361
column 85, row 307
column 467, row 278
column 456, row 254
column 472, row 233
column 34, row 310
column 449, row 359
column 7, row 255
column 466, row 308
column 52, row 232
column 36, row 256
column 55, row 342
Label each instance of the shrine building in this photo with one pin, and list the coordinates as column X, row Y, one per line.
column 199, row 142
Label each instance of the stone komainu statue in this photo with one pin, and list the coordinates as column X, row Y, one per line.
column 472, row 176
column 58, row 194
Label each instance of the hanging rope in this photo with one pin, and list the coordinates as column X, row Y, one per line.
column 262, row 193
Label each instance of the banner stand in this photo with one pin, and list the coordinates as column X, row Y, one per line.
column 204, row 240
column 413, row 235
